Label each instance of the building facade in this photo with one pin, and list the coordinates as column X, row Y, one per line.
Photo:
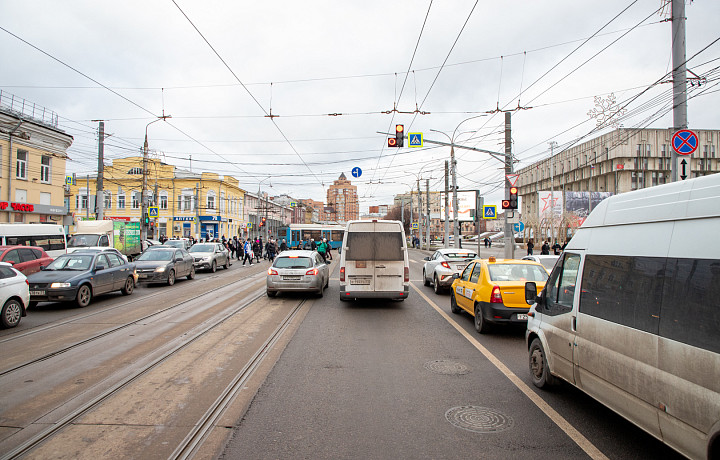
column 342, row 197
column 33, row 153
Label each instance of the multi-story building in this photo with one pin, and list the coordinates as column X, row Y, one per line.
column 33, row 152
column 342, row 197
column 266, row 216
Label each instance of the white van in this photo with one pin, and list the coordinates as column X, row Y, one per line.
column 374, row 261
column 631, row 313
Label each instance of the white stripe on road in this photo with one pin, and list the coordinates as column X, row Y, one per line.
column 558, row 419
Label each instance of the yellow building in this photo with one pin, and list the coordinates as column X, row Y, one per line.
column 33, row 152
column 205, row 205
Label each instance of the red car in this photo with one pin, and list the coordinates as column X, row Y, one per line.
column 25, row 259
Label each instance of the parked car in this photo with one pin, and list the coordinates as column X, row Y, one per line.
column 547, row 261
column 209, row 256
column 14, row 295
column 164, row 265
column 439, row 267
column 298, row 271
column 182, row 243
column 493, row 291
column 80, row 276
column 25, row 259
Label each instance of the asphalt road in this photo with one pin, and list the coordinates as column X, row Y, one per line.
column 403, row 380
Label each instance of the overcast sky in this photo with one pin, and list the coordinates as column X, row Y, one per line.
column 330, row 70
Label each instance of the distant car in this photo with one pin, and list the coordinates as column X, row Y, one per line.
column 209, row 256
column 164, row 265
column 297, row 271
column 14, row 296
column 25, row 259
column 548, row 261
column 106, row 250
column 439, row 267
column 80, row 276
column 182, row 243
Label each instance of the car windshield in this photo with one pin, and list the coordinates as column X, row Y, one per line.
column 517, row 272
column 203, row 248
column 460, row 256
column 156, row 255
column 293, row 262
column 175, row 243
column 83, row 241
column 71, row 262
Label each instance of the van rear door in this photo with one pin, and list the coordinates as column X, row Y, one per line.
column 389, row 257
column 359, row 262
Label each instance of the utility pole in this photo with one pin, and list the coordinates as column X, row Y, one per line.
column 679, row 76
column 446, row 240
column 453, row 169
column 100, row 194
column 87, row 188
column 552, row 191
column 427, row 195
column 402, row 213
column 143, row 231
column 479, row 202
column 420, row 218
column 509, row 236
column 198, row 231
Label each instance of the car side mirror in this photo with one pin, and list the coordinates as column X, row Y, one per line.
column 100, row 267
column 179, row 259
column 531, row 293
column 426, row 258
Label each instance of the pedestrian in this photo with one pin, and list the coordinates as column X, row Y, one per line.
column 545, row 249
column 486, row 241
column 271, row 249
column 247, row 252
column 256, row 248
column 313, row 244
column 556, row 248
column 322, row 248
column 283, row 246
column 306, row 245
column 328, row 253
column 530, row 247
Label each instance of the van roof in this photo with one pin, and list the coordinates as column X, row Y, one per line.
column 689, row 199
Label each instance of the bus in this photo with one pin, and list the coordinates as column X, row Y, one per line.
column 298, row 233
column 50, row 237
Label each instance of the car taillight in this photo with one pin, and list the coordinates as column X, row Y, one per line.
column 407, row 274
column 312, row 271
column 446, row 265
column 272, row 272
column 496, row 297
column 27, row 282
column 342, row 273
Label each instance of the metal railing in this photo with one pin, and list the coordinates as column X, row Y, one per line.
column 18, row 106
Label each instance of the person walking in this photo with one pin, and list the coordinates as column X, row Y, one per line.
column 530, row 247
column 322, row 248
column 556, row 248
column 271, row 249
column 257, row 249
column 283, row 246
column 545, row 249
column 247, row 252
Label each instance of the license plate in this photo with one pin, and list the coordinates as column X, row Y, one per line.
column 522, row 317
column 37, row 292
column 360, row 281
column 460, row 267
column 291, row 278
column 142, row 275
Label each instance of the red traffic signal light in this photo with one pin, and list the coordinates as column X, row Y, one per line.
column 399, row 135
column 505, row 204
column 392, row 142
column 513, row 198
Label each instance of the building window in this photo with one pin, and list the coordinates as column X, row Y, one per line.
column 81, row 200
column 20, row 196
column 211, row 200
column 137, row 171
column 163, row 200
column 107, row 202
column 664, row 150
column 121, row 201
column 21, row 165
column 648, row 151
column 45, row 198
column 45, row 169
column 136, row 200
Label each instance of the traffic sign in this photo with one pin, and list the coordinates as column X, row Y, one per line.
column 293, row 204
column 489, row 212
column 153, row 212
column 356, row 172
column 249, row 225
column 519, row 227
column 512, row 179
column 684, row 142
column 415, row 139
column 68, row 180
column 682, row 167
column 415, row 226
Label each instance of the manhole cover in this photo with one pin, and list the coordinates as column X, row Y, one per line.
column 479, row 419
column 446, row 367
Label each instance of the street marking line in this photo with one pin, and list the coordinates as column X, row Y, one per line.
column 558, row 419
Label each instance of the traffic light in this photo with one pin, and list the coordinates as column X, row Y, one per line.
column 392, row 142
column 146, row 219
column 505, row 204
column 513, row 198
column 399, row 135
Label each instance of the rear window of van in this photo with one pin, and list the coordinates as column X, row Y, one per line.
column 374, row 246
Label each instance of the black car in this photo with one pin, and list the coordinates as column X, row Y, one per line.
column 164, row 265
column 80, row 276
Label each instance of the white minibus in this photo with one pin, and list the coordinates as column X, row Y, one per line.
column 50, row 237
column 631, row 313
column 374, row 261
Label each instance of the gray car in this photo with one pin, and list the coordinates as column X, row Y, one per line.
column 297, row 271
column 439, row 267
column 209, row 256
column 164, row 265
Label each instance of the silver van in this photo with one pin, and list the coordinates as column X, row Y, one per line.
column 374, row 261
column 631, row 313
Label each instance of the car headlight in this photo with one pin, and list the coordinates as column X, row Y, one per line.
column 160, row 269
column 60, row 285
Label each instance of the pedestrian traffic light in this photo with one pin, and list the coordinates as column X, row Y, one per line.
column 399, row 135
column 146, row 219
column 392, row 142
column 513, row 198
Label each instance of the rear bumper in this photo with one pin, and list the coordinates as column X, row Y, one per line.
column 497, row 313
column 306, row 283
column 350, row 294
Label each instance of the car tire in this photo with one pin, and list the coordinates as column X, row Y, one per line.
column 84, row 296
column 213, row 267
column 321, row 291
column 481, row 325
column 453, row 304
column 32, row 304
column 11, row 313
column 425, row 280
column 171, row 278
column 271, row 293
column 191, row 275
column 539, row 370
column 436, row 285
column 129, row 286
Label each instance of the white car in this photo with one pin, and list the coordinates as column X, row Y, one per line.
column 14, row 295
column 547, row 261
column 439, row 267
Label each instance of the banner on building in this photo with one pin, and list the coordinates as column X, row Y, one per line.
column 550, row 204
column 580, row 204
column 466, row 206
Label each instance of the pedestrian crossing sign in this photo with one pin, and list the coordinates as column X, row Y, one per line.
column 415, row 139
column 414, row 225
column 490, row 212
column 153, row 212
column 249, row 225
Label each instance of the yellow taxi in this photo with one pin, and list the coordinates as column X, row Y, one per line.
column 493, row 290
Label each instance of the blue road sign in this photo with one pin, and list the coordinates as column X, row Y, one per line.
column 414, row 225
column 684, row 142
column 153, row 212
column 415, row 139
column 356, row 172
column 519, row 227
column 489, row 212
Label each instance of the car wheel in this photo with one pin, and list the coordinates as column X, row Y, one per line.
column 425, row 280
column 320, row 292
column 129, row 286
column 271, row 293
column 171, row 278
column 453, row 304
column 11, row 313
column 191, row 275
column 539, row 371
column 84, row 296
column 213, row 267
column 327, row 282
column 481, row 325
column 436, row 285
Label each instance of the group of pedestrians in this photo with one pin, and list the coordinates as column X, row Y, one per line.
column 323, row 247
column 545, row 248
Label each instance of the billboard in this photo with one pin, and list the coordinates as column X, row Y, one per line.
column 580, row 204
column 466, row 203
column 550, row 204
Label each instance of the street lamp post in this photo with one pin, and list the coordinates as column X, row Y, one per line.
column 143, row 196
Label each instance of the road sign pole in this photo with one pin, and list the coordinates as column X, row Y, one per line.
column 509, row 235
column 679, row 76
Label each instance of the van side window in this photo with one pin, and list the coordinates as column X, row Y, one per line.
column 624, row 290
column 689, row 311
column 561, row 286
column 466, row 273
